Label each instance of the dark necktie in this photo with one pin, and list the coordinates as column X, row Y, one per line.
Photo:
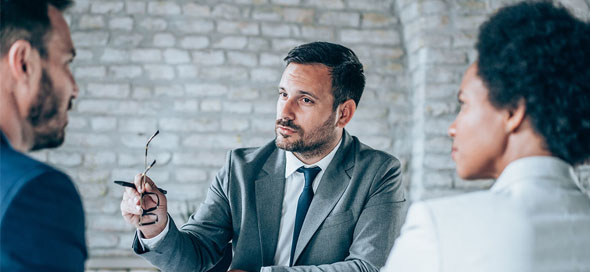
column 303, row 203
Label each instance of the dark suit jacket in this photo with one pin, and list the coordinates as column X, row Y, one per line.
column 41, row 217
column 351, row 224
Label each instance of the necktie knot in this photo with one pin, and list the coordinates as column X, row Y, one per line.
column 309, row 174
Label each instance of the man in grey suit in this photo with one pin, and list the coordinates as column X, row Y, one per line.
column 313, row 199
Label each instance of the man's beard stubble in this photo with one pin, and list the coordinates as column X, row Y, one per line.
column 44, row 110
column 311, row 143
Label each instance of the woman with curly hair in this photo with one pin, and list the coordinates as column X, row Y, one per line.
column 524, row 121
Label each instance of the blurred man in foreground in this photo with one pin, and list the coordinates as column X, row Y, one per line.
column 41, row 217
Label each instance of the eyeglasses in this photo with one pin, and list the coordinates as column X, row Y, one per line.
column 147, row 216
column 148, row 212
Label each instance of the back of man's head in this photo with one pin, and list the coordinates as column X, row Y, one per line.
column 27, row 20
column 540, row 52
column 348, row 79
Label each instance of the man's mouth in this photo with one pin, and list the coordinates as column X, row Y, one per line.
column 284, row 130
column 286, row 127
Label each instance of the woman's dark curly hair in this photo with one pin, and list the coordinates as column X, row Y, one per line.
column 539, row 52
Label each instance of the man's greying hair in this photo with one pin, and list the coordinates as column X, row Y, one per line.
column 27, row 20
column 539, row 52
column 348, row 79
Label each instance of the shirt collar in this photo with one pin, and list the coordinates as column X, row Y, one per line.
column 535, row 168
column 293, row 163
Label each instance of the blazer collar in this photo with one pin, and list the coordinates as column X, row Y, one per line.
column 536, row 168
column 270, row 190
column 331, row 187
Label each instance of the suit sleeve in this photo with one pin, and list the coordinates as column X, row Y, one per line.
column 43, row 228
column 377, row 227
column 417, row 248
column 200, row 243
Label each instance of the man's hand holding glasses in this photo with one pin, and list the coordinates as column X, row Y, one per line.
column 144, row 205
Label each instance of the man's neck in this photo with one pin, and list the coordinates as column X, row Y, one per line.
column 15, row 130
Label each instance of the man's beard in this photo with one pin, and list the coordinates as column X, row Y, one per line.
column 312, row 143
column 43, row 112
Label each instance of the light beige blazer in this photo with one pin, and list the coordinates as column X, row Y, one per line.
column 534, row 218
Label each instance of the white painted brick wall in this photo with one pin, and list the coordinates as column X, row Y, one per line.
column 439, row 36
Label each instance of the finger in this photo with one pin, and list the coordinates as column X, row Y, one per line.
column 130, row 193
column 130, row 207
column 132, row 198
column 151, row 185
column 132, row 219
column 131, row 203
column 137, row 182
column 149, row 202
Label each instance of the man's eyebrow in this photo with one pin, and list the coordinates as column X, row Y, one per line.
column 301, row 92
column 308, row 93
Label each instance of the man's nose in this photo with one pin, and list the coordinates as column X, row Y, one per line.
column 286, row 109
column 76, row 89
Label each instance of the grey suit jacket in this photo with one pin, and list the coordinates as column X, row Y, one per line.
column 351, row 224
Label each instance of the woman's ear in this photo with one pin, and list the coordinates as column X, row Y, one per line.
column 516, row 116
column 345, row 112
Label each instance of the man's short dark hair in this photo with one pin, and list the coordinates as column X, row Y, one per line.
column 27, row 20
column 348, row 79
column 539, row 52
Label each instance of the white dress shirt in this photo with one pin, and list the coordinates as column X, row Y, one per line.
column 294, row 182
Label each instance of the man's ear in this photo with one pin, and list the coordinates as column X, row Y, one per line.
column 345, row 112
column 516, row 116
column 24, row 67
column 22, row 61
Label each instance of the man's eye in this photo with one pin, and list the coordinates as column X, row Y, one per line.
column 307, row 100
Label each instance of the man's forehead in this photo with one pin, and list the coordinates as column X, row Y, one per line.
column 308, row 73
column 60, row 32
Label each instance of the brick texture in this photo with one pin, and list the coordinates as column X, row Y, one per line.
column 439, row 38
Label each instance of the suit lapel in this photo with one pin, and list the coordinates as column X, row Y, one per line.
column 333, row 184
column 270, row 189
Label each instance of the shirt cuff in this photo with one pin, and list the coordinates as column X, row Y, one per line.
column 151, row 243
column 265, row 269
